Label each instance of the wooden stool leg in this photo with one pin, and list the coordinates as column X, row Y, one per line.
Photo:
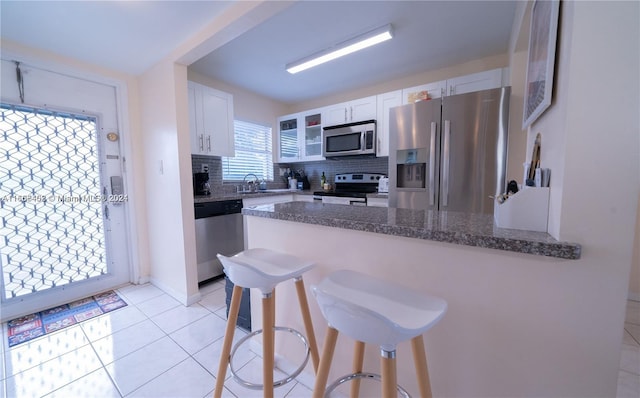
column 267, row 345
column 325, row 362
column 420, row 363
column 389, row 379
column 308, row 326
column 228, row 340
column 358, row 359
column 273, row 316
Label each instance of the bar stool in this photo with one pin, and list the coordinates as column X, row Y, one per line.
column 379, row 312
column 264, row 269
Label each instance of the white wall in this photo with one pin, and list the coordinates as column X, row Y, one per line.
column 634, row 277
column 169, row 206
column 591, row 145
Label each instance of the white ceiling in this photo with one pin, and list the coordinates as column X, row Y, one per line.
column 428, row 35
column 131, row 36
column 127, row 36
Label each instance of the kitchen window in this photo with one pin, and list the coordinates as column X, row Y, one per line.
column 253, row 153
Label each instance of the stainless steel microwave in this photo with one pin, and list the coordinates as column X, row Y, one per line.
column 353, row 139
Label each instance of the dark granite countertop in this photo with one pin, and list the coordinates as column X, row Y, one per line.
column 445, row 226
column 216, row 197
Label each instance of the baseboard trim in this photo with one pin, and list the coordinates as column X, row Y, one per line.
column 181, row 297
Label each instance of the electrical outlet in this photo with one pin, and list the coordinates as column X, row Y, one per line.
column 204, row 168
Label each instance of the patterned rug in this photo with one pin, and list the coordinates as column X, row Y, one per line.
column 48, row 321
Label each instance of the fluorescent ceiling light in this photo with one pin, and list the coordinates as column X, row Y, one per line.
column 357, row 43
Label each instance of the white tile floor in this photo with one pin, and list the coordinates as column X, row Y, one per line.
column 155, row 347
column 629, row 373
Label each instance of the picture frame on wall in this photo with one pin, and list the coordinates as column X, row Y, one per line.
column 541, row 59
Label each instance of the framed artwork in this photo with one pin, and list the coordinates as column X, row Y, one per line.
column 541, row 59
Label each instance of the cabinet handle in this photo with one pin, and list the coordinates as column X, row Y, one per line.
column 351, row 112
column 345, row 115
column 443, row 92
column 202, row 142
column 450, row 90
column 209, row 143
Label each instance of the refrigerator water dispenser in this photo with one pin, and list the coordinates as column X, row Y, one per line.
column 411, row 168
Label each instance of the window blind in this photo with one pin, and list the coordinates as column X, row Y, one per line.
column 253, row 153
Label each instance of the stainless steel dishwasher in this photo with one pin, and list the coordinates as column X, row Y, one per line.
column 218, row 230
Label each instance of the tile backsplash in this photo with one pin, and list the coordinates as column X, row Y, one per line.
column 313, row 170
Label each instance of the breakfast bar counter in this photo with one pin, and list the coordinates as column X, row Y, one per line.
column 507, row 291
column 444, row 226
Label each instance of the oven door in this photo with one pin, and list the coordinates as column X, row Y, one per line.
column 340, row 200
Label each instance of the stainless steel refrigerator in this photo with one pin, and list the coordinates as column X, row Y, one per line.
column 449, row 153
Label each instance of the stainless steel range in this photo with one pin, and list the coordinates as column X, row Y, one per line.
column 350, row 189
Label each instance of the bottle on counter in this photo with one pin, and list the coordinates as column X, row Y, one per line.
column 323, row 180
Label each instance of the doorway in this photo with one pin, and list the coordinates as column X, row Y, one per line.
column 62, row 206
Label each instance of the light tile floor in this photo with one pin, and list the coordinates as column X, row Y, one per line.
column 155, row 347
column 629, row 373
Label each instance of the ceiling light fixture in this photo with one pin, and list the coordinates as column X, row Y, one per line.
column 368, row 39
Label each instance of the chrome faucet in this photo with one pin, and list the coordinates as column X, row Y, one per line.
column 253, row 185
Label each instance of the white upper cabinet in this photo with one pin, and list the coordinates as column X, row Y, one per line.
column 288, row 139
column 457, row 85
column 210, row 121
column 433, row 90
column 349, row 112
column 475, row 82
column 300, row 137
column 385, row 102
column 312, row 135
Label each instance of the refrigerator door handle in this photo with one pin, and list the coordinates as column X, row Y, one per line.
column 445, row 162
column 432, row 166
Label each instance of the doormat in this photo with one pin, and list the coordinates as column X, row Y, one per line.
column 29, row 327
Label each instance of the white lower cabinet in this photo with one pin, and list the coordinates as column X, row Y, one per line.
column 302, row 198
column 378, row 202
column 266, row 200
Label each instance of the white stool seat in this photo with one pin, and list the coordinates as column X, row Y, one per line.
column 376, row 311
column 262, row 268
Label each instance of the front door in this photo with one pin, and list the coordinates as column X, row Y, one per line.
column 62, row 209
